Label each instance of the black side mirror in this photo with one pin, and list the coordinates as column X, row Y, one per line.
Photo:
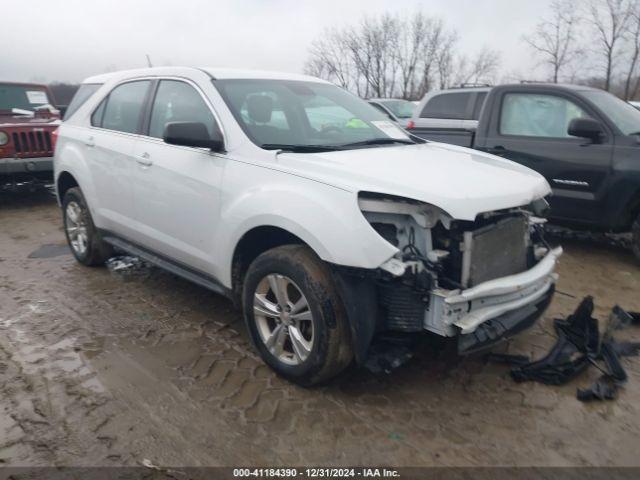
column 193, row 134
column 586, row 128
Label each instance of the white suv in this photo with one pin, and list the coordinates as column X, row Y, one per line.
column 327, row 223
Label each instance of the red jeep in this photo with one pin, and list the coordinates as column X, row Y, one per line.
column 27, row 122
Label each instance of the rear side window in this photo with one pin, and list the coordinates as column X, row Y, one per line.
column 123, row 107
column 98, row 113
column 82, row 95
column 447, row 105
column 178, row 102
column 480, row 98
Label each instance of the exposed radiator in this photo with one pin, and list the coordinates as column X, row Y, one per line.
column 497, row 250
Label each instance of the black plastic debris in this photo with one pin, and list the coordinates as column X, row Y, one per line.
column 580, row 345
column 388, row 353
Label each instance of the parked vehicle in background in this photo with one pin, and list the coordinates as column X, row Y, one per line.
column 27, row 122
column 585, row 141
column 326, row 222
column 396, row 109
column 452, row 113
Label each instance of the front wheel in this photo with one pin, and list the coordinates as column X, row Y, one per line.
column 635, row 231
column 82, row 236
column 295, row 316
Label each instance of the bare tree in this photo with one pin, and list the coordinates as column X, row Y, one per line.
column 634, row 40
column 481, row 68
column 413, row 43
column 329, row 59
column 555, row 38
column 389, row 56
column 609, row 20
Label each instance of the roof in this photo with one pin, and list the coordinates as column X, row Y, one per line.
column 217, row 73
column 387, row 100
column 562, row 86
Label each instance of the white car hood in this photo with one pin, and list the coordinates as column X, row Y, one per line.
column 460, row 181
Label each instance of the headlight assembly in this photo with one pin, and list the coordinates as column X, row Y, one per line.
column 4, row 138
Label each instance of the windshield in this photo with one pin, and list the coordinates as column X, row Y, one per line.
column 280, row 113
column 400, row 108
column 625, row 116
column 24, row 97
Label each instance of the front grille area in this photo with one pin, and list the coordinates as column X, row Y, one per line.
column 32, row 143
column 498, row 250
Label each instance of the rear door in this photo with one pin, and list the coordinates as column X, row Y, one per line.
column 531, row 128
column 109, row 144
column 177, row 189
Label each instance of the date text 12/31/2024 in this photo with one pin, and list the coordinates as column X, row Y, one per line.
column 315, row 472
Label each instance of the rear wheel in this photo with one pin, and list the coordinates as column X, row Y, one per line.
column 295, row 316
column 82, row 236
column 635, row 230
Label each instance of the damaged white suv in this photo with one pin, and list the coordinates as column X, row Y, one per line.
column 303, row 203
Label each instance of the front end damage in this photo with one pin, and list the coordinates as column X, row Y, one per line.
column 482, row 281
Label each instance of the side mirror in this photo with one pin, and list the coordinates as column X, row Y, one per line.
column 192, row 134
column 586, row 128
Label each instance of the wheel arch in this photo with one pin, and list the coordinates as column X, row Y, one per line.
column 64, row 182
column 252, row 244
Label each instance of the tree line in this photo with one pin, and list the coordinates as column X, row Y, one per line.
column 596, row 42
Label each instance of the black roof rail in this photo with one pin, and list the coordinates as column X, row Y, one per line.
column 535, row 81
column 473, row 85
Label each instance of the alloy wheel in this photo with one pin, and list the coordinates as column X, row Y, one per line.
column 284, row 319
column 76, row 228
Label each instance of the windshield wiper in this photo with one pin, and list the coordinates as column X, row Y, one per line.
column 300, row 148
column 379, row 141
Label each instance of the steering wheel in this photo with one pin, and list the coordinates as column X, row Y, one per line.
column 331, row 129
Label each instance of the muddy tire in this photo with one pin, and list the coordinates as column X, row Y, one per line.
column 295, row 316
column 635, row 243
column 82, row 236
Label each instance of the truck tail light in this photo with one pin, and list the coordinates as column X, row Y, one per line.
column 54, row 139
column 411, row 125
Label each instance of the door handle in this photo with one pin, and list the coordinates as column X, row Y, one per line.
column 90, row 142
column 144, row 160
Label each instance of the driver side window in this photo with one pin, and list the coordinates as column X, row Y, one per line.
column 178, row 101
column 535, row 115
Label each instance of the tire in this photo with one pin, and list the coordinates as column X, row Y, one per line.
column 78, row 225
column 635, row 243
column 313, row 342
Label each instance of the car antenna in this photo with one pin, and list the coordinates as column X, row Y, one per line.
column 148, row 61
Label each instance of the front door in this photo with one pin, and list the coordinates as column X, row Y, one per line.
column 177, row 189
column 532, row 130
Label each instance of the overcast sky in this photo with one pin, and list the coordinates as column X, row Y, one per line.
column 45, row 40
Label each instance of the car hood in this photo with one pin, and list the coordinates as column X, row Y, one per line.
column 460, row 181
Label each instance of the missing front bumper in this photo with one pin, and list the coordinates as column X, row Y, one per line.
column 505, row 326
column 462, row 312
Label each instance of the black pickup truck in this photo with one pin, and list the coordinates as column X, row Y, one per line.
column 586, row 142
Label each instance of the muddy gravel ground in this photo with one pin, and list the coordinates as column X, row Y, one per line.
column 99, row 368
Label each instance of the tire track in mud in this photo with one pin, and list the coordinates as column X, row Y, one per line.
column 170, row 376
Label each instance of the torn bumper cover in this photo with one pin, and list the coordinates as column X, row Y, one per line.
column 498, row 308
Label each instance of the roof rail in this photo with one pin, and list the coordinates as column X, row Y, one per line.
column 473, row 85
column 535, row 81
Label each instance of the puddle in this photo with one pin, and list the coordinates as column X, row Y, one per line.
column 50, row 250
